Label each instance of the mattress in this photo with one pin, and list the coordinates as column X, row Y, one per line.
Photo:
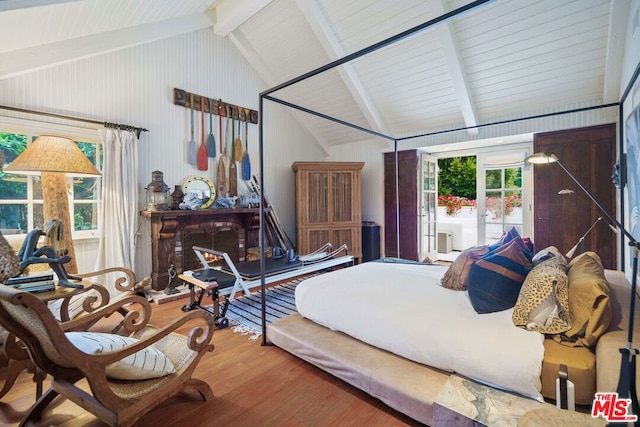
column 401, row 308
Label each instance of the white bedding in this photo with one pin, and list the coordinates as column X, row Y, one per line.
column 402, row 308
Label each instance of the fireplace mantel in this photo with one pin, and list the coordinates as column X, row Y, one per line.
column 171, row 232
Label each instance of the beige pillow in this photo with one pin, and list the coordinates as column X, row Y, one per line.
column 543, row 302
column 458, row 273
column 589, row 303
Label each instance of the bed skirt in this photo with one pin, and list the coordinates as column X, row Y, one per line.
column 406, row 386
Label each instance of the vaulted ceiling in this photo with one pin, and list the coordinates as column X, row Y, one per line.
column 502, row 59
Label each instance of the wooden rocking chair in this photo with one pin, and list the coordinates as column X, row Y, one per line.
column 117, row 402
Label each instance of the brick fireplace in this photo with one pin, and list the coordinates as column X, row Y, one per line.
column 174, row 233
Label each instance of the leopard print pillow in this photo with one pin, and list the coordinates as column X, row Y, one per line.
column 543, row 302
column 9, row 265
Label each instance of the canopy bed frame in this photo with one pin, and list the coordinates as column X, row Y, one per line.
column 268, row 95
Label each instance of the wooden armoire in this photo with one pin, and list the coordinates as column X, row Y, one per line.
column 560, row 219
column 328, row 206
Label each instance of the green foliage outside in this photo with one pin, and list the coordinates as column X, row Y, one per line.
column 457, row 186
column 457, row 177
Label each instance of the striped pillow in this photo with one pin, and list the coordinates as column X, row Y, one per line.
column 495, row 280
column 144, row 364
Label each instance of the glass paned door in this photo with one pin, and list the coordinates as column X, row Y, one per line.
column 503, row 201
column 427, row 210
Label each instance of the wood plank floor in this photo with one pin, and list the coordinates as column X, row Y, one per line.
column 254, row 385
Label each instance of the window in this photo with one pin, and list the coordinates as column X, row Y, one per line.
column 21, row 208
column 503, row 201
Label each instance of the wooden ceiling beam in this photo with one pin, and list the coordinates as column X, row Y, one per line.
column 253, row 57
column 230, row 14
column 456, row 70
column 317, row 19
column 39, row 57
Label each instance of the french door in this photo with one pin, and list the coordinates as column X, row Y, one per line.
column 502, row 197
column 428, row 204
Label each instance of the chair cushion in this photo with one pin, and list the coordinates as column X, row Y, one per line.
column 144, row 364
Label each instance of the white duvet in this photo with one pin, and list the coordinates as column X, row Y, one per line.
column 402, row 308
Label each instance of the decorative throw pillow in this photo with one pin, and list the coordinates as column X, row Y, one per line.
column 589, row 303
column 506, row 237
column 495, row 280
column 543, row 302
column 144, row 364
column 458, row 272
column 548, row 253
column 9, row 265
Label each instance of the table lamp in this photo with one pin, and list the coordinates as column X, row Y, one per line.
column 627, row 381
column 52, row 157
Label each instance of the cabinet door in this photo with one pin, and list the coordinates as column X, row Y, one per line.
column 342, row 192
column 311, row 239
column 317, row 197
column 351, row 236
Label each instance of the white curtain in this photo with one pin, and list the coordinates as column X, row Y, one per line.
column 119, row 209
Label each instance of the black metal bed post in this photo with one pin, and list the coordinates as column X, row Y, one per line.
column 395, row 154
column 263, row 287
column 627, row 377
column 623, row 164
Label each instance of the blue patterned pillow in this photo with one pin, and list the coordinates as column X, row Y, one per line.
column 495, row 280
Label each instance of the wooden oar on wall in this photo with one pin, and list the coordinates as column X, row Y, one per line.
column 203, row 160
column 233, row 168
column 211, row 140
column 237, row 149
column 192, row 141
column 246, row 163
column 221, row 177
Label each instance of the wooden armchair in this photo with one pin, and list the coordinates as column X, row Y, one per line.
column 90, row 298
column 125, row 282
column 118, row 402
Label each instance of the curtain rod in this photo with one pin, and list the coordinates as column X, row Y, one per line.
column 136, row 129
